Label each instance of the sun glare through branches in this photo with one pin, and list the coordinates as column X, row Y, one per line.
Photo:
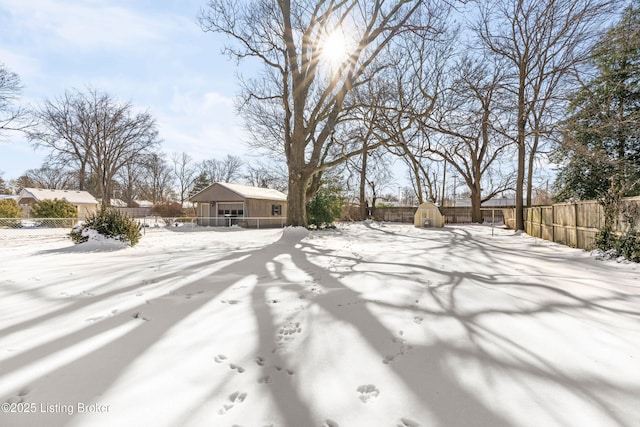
column 335, row 49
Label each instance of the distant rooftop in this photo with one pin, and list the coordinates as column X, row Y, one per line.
column 71, row 196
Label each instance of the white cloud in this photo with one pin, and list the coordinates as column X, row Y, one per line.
column 88, row 24
column 203, row 125
column 150, row 54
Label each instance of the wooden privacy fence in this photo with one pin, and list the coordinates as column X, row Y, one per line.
column 452, row 214
column 574, row 224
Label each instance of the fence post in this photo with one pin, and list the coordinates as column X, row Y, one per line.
column 540, row 220
column 575, row 221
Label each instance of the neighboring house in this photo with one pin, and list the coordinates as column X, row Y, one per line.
column 84, row 202
column 224, row 204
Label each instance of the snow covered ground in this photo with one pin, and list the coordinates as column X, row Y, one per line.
column 376, row 325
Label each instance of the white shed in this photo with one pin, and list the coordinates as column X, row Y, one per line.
column 429, row 215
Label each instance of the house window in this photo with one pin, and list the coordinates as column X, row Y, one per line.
column 276, row 210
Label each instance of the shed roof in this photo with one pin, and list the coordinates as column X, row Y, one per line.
column 248, row 192
column 71, row 196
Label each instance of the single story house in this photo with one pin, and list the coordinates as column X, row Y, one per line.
column 84, row 202
column 224, row 204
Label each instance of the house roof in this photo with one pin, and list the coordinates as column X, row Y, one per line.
column 249, row 192
column 71, row 196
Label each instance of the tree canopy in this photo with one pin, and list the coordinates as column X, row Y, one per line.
column 297, row 105
column 601, row 146
column 12, row 116
column 96, row 133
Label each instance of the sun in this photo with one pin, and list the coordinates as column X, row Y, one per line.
column 334, row 49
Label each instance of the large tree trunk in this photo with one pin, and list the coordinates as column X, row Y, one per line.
column 531, row 164
column 416, row 174
column 476, row 203
column 363, row 185
column 297, row 198
column 522, row 148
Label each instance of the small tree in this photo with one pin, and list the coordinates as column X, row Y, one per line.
column 168, row 210
column 110, row 223
column 325, row 207
column 9, row 209
column 200, row 183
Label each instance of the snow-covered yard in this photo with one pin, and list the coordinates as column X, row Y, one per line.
column 373, row 325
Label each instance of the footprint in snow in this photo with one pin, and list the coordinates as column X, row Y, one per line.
column 367, row 392
column 260, row 361
column 264, row 380
column 234, row 399
column 189, row 295
column 235, row 367
column 288, row 331
column 19, row 398
column 330, row 423
column 281, row 369
column 221, row 358
column 405, row 422
column 404, row 349
column 139, row 315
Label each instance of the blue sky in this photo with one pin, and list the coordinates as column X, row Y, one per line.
column 151, row 53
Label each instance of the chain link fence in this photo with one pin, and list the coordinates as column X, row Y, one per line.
column 33, row 229
column 34, row 223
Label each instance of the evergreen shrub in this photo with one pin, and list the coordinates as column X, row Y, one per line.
column 109, row 223
column 9, row 208
column 56, row 208
column 325, row 208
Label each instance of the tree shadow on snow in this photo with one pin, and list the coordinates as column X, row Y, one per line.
column 425, row 370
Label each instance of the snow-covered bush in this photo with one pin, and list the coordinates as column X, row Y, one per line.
column 109, row 223
column 625, row 245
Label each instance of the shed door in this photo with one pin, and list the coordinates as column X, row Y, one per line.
column 205, row 213
column 428, row 217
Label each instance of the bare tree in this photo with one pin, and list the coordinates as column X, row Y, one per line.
column 303, row 92
column 23, row 181
column 266, row 175
column 4, row 186
column 373, row 174
column 227, row 170
column 129, row 183
column 466, row 130
column 157, row 178
column 184, row 172
column 542, row 41
column 12, row 117
column 51, row 177
column 96, row 133
column 414, row 85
